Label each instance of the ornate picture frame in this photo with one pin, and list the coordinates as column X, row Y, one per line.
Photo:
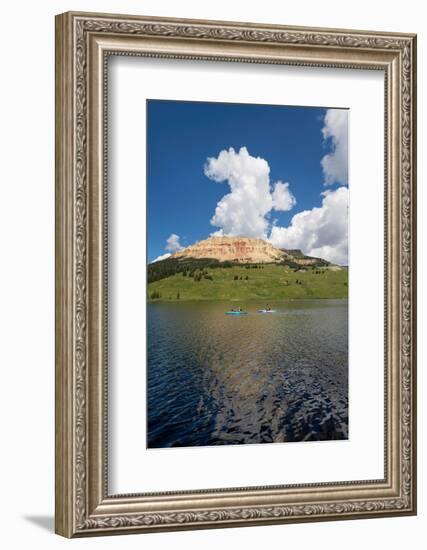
column 84, row 506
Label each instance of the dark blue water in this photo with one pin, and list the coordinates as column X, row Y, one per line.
column 215, row 379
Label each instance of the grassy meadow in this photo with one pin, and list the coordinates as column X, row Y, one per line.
column 241, row 283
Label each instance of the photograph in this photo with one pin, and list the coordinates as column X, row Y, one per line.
column 247, row 273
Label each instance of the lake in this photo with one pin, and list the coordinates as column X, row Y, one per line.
column 216, row 379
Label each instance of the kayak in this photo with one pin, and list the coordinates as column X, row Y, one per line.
column 236, row 312
column 266, row 311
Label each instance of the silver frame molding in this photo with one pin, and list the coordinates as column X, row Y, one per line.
column 83, row 43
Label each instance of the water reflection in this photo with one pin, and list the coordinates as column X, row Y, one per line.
column 215, row 379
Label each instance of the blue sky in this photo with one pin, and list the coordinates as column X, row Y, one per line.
column 252, row 148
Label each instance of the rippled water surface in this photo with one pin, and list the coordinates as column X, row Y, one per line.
column 215, row 379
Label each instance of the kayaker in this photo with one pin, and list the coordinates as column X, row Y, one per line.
column 268, row 308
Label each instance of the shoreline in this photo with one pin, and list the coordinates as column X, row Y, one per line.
column 246, row 300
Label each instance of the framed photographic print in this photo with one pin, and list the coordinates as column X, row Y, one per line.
column 235, row 274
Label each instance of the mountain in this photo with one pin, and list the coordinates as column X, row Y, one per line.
column 240, row 268
column 226, row 252
column 244, row 250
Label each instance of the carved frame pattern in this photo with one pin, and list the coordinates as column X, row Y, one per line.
column 82, row 510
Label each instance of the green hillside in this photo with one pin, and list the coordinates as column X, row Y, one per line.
column 241, row 283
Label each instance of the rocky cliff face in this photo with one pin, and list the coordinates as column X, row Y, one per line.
column 235, row 249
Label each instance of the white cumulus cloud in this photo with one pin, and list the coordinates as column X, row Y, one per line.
column 244, row 210
column 282, row 197
column 321, row 232
column 161, row 257
column 172, row 243
column 335, row 163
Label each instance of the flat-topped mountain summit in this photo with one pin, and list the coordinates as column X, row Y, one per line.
column 243, row 250
column 233, row 249
column 241, row 268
